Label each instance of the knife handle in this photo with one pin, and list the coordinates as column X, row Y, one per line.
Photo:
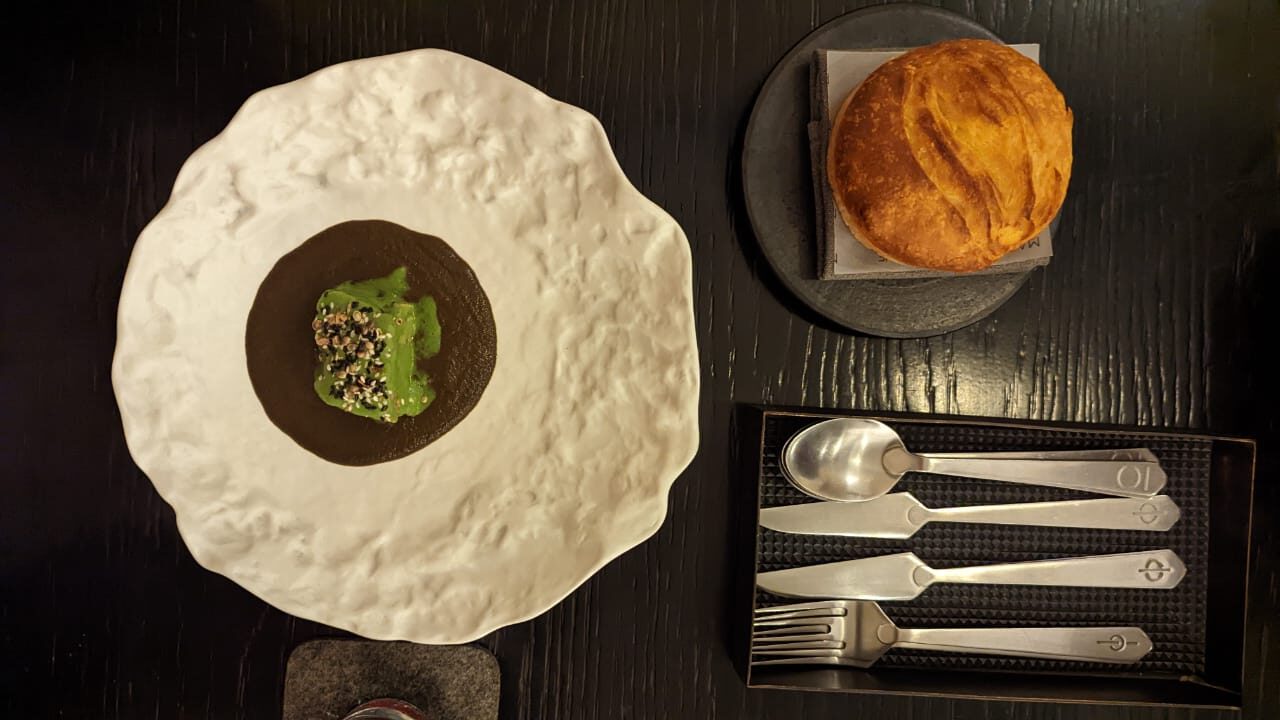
column 1155, row 569
column 1118, row 645
column 1105, row 477
column 1155, row 514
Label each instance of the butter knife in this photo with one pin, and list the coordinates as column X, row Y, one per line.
column 900, row 515
column 904, row 576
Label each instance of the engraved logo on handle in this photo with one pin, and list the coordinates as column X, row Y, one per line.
column 1134, row 477
column 1148, row 513
column 1154, row 570
column 1116, row 642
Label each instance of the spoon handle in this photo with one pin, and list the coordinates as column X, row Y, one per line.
column 1125, row 454
column 1105, row 477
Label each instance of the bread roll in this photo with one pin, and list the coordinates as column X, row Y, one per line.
column 952, row 155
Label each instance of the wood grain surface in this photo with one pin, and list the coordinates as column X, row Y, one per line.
column 1157, row 311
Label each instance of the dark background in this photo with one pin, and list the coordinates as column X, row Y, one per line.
column 1155, row 312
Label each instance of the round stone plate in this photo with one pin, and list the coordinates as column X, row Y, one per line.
column 778, row 188
column 590, row 414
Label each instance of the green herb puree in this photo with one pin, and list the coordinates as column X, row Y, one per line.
column 369, row 340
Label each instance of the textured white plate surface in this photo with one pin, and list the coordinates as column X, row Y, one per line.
column 591, row 413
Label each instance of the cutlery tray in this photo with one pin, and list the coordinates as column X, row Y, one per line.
column 1177, row 620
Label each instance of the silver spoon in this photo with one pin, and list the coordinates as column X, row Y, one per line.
column 856, row 459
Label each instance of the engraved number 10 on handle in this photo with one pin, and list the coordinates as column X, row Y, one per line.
column 1135, row 477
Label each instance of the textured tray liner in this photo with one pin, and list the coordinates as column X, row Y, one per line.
column 1175, row 619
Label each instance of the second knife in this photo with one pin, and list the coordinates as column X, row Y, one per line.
column 900, row 515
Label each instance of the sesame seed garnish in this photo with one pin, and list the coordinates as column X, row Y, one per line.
column 350, row 346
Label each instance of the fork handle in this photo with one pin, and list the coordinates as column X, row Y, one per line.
column 1120, row 645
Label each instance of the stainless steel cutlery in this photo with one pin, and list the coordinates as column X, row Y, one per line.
column 900, row 515
column 904, row 576
column 856, row 634
column 851, row 464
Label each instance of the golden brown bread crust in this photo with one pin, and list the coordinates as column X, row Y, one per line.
column 951, row 156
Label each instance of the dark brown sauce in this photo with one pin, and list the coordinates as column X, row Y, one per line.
column 281, row 351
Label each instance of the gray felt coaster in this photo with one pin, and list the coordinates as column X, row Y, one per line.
column 327, row 678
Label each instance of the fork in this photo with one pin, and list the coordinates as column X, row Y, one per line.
column 857, row 633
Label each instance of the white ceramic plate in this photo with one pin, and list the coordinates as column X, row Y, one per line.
column 591, row 413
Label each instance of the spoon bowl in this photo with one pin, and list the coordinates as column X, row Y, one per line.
column 843, row 459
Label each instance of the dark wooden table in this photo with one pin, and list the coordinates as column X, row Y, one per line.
column 1156, row 311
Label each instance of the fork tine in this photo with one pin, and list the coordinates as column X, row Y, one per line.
column 823, row 620
column 814, row 614
column 761, row 630
column 831, row 607
column 810, row 661
column 799, row 651
column 809, row 616
column 796, row 642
